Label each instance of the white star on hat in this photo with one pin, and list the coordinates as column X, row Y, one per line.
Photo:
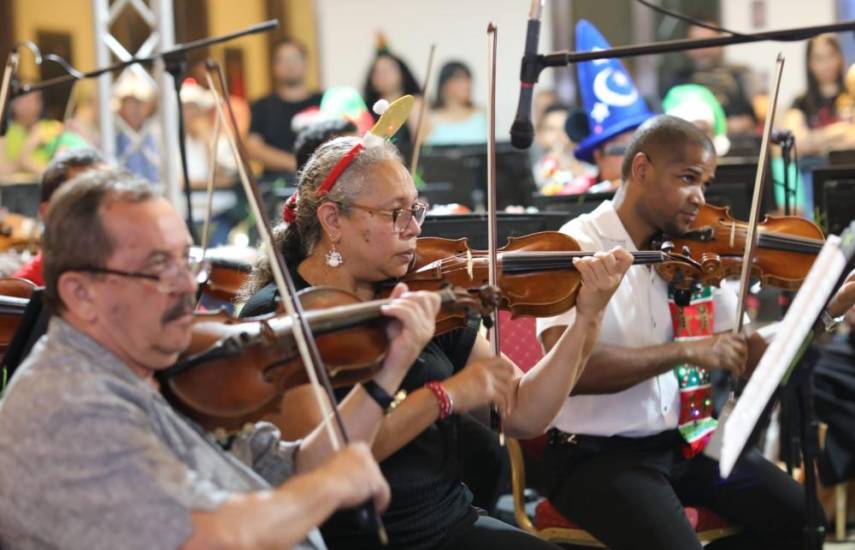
column 621, row 79
column 600, row 112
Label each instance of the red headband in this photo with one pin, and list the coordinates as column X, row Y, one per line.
column 289, row 211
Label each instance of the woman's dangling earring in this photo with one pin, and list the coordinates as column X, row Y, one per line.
column 333, row 257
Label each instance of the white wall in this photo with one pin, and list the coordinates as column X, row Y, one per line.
column 347, row 28
column 760, row 56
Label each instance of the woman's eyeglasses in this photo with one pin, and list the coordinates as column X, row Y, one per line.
column 401, row 217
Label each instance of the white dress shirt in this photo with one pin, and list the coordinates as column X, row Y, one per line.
column 637, row 316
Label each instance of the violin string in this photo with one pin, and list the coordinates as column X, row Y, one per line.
column 782, row 237
column 641, row 256
column 541, row 264
column 545, row 261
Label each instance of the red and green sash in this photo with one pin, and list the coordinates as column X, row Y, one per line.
column 694, row 322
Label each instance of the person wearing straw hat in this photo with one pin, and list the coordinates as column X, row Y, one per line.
column 136, row 146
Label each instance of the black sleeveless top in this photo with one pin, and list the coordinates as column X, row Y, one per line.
column 428, row 497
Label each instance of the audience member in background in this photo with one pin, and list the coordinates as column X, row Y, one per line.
column 696, row 104
column 454, row 118
column 613, row 109
column 319, row 133
column 136, row 142
column 27, row 143
column 198, row 107
column 556, row 170
column 271, row 137
column 61, row 169
column 240, row 107
column 815, row 117
column 81, row 119
column 542, row 100
column 729, row 83
column 389, row 78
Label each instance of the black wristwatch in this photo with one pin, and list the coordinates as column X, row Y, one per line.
column 378, row 394
column 382, row 397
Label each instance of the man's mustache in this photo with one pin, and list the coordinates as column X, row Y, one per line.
column 185, row 306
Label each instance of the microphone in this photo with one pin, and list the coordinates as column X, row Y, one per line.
column 782, row 137
column 522, row 131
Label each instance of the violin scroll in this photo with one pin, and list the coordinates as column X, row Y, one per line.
column 712, row 250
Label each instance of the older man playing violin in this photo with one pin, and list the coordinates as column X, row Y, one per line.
column 94, row 457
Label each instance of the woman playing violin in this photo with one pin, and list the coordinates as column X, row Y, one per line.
column 357, row 228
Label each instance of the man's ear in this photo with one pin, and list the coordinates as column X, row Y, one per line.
column 640, row 168
column 77, row 295
column 329, row 216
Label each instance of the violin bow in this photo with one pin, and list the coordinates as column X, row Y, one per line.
column 209, row 195
column 757, row 200
column 306, row 344
column 713, row 448
column 492, row 206
column 417, row 143
column 212, row 174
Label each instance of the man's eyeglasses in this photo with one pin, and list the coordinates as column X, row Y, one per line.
column 170, row 278
column 401, row 217
column 615, row 149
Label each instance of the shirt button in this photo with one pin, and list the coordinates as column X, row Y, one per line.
column 665, row 409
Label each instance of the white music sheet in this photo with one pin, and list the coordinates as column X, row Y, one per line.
column 781, row 353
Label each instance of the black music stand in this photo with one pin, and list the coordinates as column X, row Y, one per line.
column 833, row 189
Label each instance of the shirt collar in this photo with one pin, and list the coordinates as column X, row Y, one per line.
column 608, row 225
column 101, row 359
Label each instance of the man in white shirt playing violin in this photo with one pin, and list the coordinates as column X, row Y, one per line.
column 626, row 447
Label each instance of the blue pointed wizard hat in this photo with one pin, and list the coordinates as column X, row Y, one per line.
column 609, row 97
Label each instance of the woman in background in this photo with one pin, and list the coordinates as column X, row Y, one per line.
column 454, row 118
column 820, row 118
column 389, row 78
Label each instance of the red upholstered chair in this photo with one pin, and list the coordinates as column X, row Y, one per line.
column 519, row 341
column 550, row 525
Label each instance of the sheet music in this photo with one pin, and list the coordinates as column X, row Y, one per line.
column 770, row 331
column 806, row 307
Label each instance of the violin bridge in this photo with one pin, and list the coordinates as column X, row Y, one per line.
column 470, row 266
column 732, row 234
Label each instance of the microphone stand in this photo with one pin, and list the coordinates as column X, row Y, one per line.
column 560, row 59
column 787, row 141
column 175, row 63
column 176, row 66
column 532, row 65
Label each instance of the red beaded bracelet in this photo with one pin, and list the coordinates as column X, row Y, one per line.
column 446, row 405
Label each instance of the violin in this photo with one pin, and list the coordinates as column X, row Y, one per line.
column 536, row 274
column 235, row 371
column 18, row 232
column 230, row 267
column 14, row 296
column 226, row 278
column 713, row 247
